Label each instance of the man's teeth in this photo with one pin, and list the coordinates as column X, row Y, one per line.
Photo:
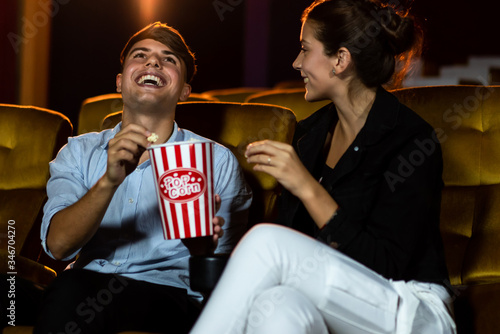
column 151, row 80
column 306, row 80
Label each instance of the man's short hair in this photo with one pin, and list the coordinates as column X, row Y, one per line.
column 168, row 36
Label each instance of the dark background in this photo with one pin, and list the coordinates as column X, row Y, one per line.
column 88, row 35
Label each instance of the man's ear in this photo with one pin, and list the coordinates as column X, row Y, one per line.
column 186, row 90
column 342, row 60
column 119, row 83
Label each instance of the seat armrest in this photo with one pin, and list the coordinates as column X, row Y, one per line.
column 205, row 271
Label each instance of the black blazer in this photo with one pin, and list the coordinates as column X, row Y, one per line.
column 388, row 186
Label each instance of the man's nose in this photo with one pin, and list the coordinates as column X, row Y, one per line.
column 153, row 61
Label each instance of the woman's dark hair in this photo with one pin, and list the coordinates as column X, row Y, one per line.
column 168, row 36
column 375, row 35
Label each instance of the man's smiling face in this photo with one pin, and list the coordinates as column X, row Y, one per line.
column 152, row 73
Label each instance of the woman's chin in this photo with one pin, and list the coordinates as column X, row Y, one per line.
column 310, row 97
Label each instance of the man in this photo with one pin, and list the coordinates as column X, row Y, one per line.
column 102, row 206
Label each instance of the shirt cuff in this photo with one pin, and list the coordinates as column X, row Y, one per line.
column 329, row 220
column 326, row 233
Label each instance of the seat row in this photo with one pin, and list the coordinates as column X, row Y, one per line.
column 94, row 109
column 30, row 138
column 467, row 123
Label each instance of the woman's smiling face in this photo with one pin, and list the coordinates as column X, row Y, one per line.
column 314, row 65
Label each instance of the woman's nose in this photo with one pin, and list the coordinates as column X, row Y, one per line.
column 297, row 64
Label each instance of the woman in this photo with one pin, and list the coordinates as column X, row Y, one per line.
column 362, row 184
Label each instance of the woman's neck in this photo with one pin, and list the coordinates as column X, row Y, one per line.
column 353, row 108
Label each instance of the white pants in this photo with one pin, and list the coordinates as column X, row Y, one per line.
column 281, row 281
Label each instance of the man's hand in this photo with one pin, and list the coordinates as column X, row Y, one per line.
column 124, row 152
column 207, row 245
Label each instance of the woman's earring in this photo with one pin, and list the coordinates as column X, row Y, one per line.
column 333, row 71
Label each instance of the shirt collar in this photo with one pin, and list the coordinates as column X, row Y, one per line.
column 383, row 116
column 177, row 134
column 109, row 134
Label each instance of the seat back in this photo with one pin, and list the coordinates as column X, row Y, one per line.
column 238, row 94
column 94, row 109
column 292, row 98
column 30, row 137
column 200, row 97
column 235, row 125
column 467, row 123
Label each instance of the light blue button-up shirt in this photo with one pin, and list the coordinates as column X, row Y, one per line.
column 130, row 239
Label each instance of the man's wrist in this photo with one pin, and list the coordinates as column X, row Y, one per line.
column 104, row 184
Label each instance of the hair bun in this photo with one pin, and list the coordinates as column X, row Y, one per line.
column 399, row 29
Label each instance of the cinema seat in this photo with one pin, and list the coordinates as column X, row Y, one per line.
column 30, row 138
column 237, row 94
column 467, row 123
column 94, row 109
column 292, row 98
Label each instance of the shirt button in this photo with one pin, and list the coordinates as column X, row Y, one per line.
column 356, row 148
column 131, row 200
column 117, row 263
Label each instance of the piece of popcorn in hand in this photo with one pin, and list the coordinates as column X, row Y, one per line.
column 153, row 138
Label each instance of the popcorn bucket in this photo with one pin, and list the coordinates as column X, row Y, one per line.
column 183, row 174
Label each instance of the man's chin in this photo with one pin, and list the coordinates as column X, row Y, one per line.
column 147, row 101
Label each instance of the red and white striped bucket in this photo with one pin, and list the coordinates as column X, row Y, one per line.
column 183, row 173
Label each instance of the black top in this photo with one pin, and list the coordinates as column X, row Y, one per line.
column 388, row 186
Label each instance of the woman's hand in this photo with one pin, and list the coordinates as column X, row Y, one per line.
column 282, row 162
